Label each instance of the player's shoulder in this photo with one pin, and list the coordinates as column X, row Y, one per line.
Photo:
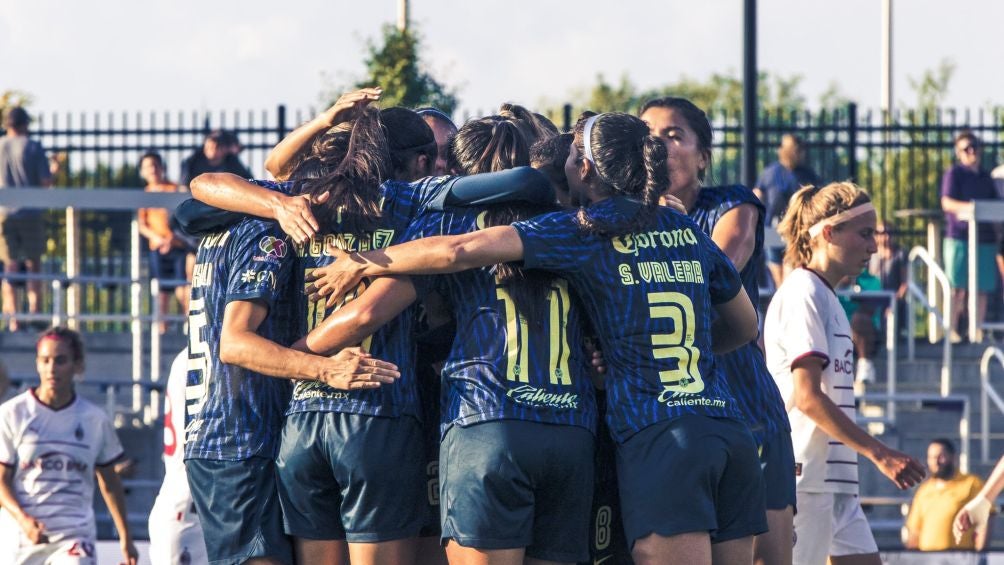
column 729, row 194
column 88, row 409
column 803, row 284
column 17, row 405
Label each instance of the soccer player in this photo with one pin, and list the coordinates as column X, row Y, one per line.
column 975, row 514
column 734, row 218
column 175, row 529
column 831, row 234
column 443, row 129
column 649, row 279
column 519, row 413
column 240, row 318
column 52, row 446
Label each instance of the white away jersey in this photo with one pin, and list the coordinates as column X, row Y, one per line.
column 54, row 454
column 804, row 319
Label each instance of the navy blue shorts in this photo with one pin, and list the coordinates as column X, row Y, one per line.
column 239, row 509
column 777, row 458
column 428, row 390
column 606, row 530
column 691, row 474
column 168, row 266
column 775, row 254
column 351, row 477
column 508, row 484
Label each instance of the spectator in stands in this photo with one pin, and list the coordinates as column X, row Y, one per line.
column 443, row 129
column 4, row 382
column 168, row 254
column 774, row 188
column 22, row 232
column 218, row 154
column 962, row 183
column 938, row 500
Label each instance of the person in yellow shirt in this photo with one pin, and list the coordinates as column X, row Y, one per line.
column 938, row 500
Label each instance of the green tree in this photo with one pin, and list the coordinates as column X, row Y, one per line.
column 394, row 63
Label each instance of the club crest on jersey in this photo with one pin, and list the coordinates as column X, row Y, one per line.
column 78, row 433
column 273, row 247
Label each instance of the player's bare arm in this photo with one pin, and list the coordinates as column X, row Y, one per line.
column 899, row 467
column 736, row 324
column 230, row 192
column 33, row 529
column 384, row 299
column 241, row 345
column 114, row 495
column 735, row 233
column 281, row 159
column 429, row 255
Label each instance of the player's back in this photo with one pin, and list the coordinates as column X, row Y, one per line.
column 650, row 295
column 234, row 413
column 504, row 363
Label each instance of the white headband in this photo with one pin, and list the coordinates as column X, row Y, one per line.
column 840, row 218
column 587, row 130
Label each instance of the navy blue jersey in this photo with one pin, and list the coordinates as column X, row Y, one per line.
column 503, row 366
column 745, row 368
column 401, row 203
column 649, row 295
column 232, row 413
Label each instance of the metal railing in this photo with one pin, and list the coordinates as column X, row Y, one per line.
column 962, row 401
column 988, row 393
column 942, row 319
column 891, row 333
column 983, row 211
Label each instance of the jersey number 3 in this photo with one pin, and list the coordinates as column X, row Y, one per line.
column 677, row 345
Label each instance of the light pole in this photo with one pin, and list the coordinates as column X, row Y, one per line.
column 749, row 92
column 402, row 15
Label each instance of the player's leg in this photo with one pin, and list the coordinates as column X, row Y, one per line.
column 813, row 526
column 740, row 495
column 238, row 505
column 383, row 488
column 8, row 296
column 607, row 542
column 308, row 491
column 853, row 542
column 693, row 547
column 486, row 497
column 72, row 551
column 669, row 508
column 774, row 546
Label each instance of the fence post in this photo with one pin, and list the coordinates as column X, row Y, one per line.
column 852, row 140
column 280, row 127
column 566, row 112
column 72, row 267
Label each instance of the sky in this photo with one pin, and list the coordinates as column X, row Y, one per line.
column 137, row 55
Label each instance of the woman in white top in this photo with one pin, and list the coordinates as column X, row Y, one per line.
column 830, row 233
column 52, row 446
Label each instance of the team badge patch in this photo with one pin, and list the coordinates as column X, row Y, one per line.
column 272, row 247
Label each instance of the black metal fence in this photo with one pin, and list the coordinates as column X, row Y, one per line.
column 899, row 158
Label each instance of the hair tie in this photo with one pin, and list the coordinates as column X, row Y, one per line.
column 840, row 218
column 587, row 149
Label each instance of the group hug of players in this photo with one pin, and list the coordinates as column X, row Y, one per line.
column 522, row 346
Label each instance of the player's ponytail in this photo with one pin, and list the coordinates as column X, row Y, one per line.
column 354, row 183
column 809, row 206
column 497, row 143
column 627, row 161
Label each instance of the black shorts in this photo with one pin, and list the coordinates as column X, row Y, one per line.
column 777, row 458
column 352, row 477
column 428, row 390
column 606, row 529
column 168, row 266
column 508, row 484
column 239, row 509
column 691, row 474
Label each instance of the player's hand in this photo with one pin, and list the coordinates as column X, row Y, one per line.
column 296, row 218
column 129, row 552
column 599, row 364
column 974, row 515
column 334, row 280
column 33, row 529
column 673, row 202
column 348, row 105
column 354, row 369
column 900, row 468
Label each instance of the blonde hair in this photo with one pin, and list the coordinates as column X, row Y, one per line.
column 807, row 207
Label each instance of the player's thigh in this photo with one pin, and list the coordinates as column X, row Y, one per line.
column 379, row 463
column 308, row 490
column 852, row 536
column 486, row 495
column 74, row 551
column 813, row 525
column 740, row 491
